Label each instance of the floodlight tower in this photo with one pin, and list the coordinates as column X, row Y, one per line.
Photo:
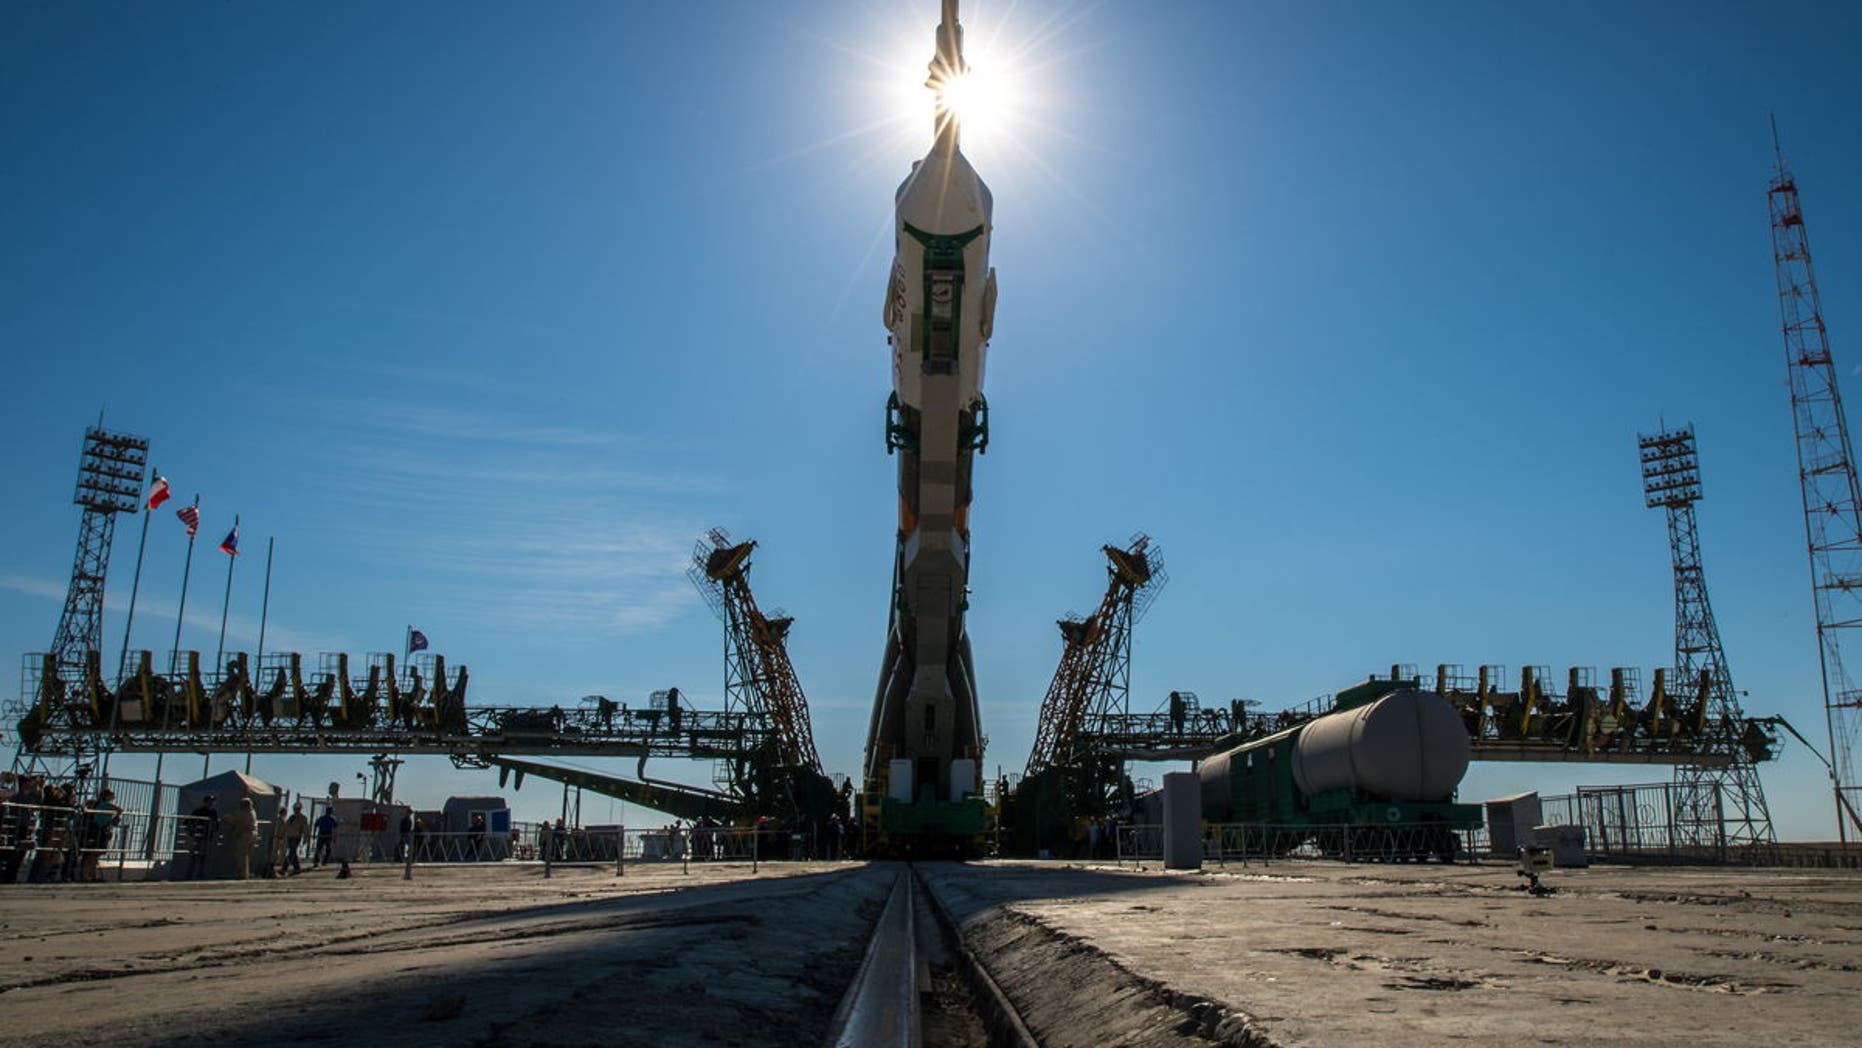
column 1719, row 806
column 1827, row 476
column 111, row 470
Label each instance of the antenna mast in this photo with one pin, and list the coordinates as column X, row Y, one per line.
column 1832, row 498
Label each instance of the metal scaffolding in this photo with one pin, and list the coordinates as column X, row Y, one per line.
column 758, row 677
column 110, row 476
column 1724, row 804
column 1827, row 475
column 1093, row 681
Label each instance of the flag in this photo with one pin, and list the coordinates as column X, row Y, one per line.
column 158, row 493
column 190, row 515
column 230, row 544
column 416, row 641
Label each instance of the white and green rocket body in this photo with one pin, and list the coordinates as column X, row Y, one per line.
column 924, row 745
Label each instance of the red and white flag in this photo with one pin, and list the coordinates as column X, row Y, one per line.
column 158, row 493
column 190, row 515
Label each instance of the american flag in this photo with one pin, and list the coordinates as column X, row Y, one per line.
column 190, row 515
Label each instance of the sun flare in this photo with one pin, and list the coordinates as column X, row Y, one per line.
column 977, row 100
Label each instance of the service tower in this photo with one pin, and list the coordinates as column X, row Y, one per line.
column 923, row 788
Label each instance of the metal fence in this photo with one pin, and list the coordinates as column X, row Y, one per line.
column 47, row 844
column 686, row 844
column 1265, row 842
column 1662, row 823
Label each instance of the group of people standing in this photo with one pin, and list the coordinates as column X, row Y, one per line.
column 207, row 829
column 48, row 834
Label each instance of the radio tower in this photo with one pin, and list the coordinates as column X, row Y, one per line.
column 1718, row 806
column 1827, row 472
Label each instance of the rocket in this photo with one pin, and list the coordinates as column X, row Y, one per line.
column 939, row 311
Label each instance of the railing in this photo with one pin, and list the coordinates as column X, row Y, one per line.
column 1265, row 842
column 1386, row 842
column 56, row 843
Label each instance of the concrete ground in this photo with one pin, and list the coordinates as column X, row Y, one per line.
column 1315, row 953
column 1288, row 954
column 483, row 955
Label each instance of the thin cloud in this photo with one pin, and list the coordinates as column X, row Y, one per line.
column 242, row 631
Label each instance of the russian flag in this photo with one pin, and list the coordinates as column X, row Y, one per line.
column 158, row 493
column 230, row 544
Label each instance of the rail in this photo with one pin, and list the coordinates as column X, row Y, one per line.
column 914, row 937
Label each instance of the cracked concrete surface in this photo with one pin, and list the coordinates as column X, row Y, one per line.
column 1287, row 954
column 1332, row 954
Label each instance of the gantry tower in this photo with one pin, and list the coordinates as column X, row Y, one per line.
column 1093, row 680
column 1720, row 805
column 758, row 677
column 1827, row 475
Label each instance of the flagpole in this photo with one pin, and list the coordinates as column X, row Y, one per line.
column 219, row 651
column 187, row 571
column 265, row 603
column 129, row 620
column 265, row 607
column 129, row 623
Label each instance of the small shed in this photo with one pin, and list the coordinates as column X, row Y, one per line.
column 227, row 789
column 456, row 817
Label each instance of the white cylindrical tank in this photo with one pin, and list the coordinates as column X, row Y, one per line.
column 1407, row 746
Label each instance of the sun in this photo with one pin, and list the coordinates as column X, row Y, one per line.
column 975, row 99
column 983, row 102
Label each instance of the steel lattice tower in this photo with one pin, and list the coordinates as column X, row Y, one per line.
column 758, row 676
column 1827, row 473
column 1718, row 806
column 1093, row 679
column 110, row 476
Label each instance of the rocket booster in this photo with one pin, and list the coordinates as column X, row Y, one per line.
column 939, row 311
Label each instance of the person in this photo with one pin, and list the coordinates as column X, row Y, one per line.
column 475, row 837
column 274, row 852
column 326, row 837
column 559, row 836
column 18, row 820
column 838, row 827
column 406, row 847
column 296, row 828
column 242, row 829
column 100, row 820
column 48, row 862
column 203, row 828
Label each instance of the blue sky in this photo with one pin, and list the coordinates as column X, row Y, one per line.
column 486, row 313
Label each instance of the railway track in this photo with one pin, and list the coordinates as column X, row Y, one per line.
column 919, row 984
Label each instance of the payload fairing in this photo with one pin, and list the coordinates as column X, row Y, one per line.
column 924, row 744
